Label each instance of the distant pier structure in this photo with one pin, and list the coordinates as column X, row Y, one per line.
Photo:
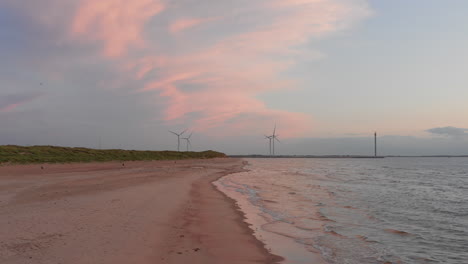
column 375, row 144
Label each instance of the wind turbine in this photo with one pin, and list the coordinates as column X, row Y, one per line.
column 178, row 138
column 269, row 139
column 273, row 138
column 188, row 141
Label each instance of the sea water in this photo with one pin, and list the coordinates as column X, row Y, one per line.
column 391, row 210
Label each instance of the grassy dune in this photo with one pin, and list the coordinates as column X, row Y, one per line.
column 51, row 154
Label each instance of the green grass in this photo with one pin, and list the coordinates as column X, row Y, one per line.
column 51, row 154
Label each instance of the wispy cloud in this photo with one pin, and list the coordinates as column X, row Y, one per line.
column 227, row 76
column 187, row 23
column 10, row 102
column 118, row 24
column 449, row 131
column 210, row 79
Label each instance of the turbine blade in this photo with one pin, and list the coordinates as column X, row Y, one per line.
column 274, row 130
column 174, row 133
column 190, row 135
column 183, row 131
column 277, row 140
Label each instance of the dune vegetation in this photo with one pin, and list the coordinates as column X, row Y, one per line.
column 52, row 154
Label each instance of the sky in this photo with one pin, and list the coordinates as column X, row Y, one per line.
column 328, row 73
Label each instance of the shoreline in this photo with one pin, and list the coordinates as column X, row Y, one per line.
column 137, row 212
column 263, row 212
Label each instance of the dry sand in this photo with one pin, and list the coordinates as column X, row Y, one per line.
column 137, row 212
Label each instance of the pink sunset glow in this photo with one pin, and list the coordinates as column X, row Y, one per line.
column 10, row 103
column 9, row 107
column 214, row 79
column 233, row 71
column 316, row 68
column 119, row 24
column 184, row 24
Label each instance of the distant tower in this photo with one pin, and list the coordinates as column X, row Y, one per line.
column 375, row 144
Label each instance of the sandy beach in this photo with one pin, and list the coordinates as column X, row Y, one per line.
column 132, row 212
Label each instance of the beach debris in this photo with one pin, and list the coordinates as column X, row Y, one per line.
column 181, row 236
column 292, row 193
column 196, row 249
column 180, row 253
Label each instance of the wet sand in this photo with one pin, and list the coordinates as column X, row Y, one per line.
column 132, row 212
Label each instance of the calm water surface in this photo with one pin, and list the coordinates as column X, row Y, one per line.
column 392, row 210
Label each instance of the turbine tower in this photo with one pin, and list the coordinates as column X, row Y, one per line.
column 187, row 139
column 272, row 139
column 178, row 138
column 375, row 144
column 269, row 145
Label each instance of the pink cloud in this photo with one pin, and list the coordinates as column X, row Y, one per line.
column 118, row 24
column 11, row 102
column 231, row 73
column 169, row 80
column 187, row 23
column 9, row 108
column 210, row 80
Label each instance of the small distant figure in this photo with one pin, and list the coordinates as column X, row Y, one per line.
column 42, row 167
column 123, row 164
